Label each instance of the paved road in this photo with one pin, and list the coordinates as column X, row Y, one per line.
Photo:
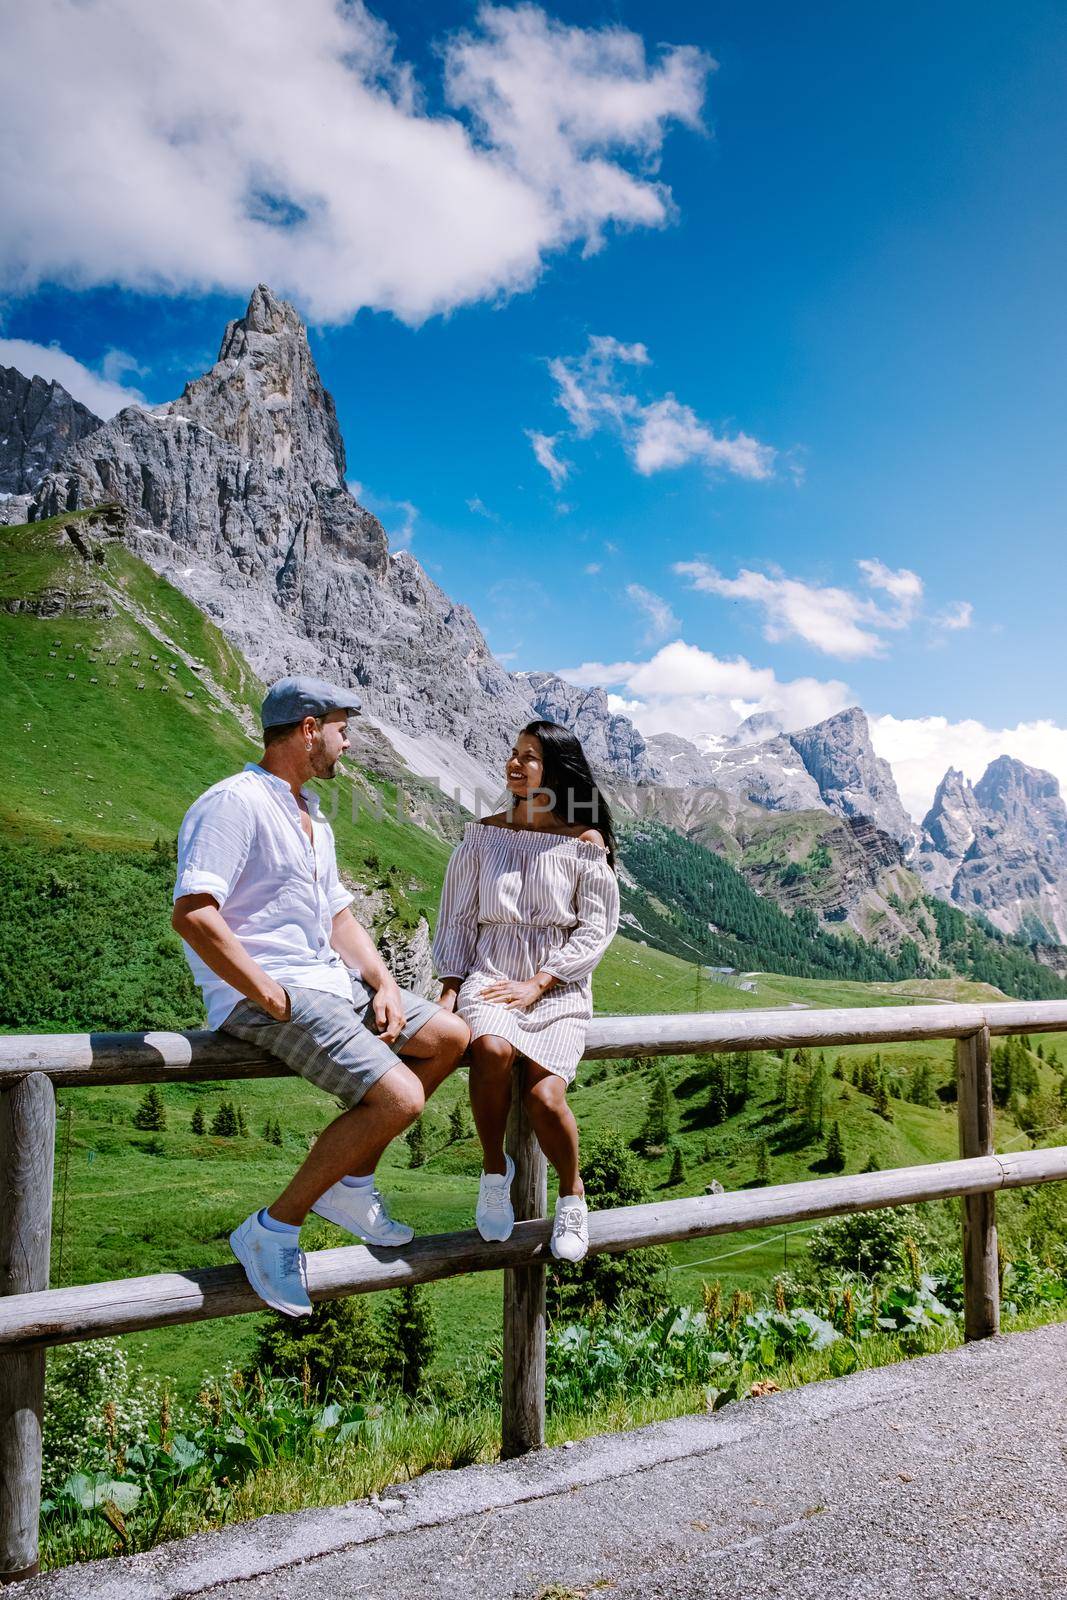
column 943, row 1478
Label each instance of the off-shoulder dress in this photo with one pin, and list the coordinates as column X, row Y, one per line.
column 518, row 901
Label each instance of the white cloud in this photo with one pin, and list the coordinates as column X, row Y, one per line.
column 657, row 434
column 684, row 689
column 905, row 586
column 921, row 749
column 661, row 619
column 669, row 435
column 101, row 391
column 591, row 568
column 202, row 146
column 544, row 448
column 478, row 506
column 839, row 622
column 960, row 614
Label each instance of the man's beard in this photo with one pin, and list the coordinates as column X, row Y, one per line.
column 321, row 765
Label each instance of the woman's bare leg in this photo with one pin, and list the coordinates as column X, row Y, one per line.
column 553, row 1122
column 490, row 1092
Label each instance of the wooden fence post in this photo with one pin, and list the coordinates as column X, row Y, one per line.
column 523, row 1397
column 981, row 1281
column 27, row 1154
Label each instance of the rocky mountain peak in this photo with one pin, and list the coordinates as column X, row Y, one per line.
column 853, row 781
column 760, row 725
column 610, row 741
column 38, row 421
column 264, row 396
column 1000, row 847
column 1011, row 789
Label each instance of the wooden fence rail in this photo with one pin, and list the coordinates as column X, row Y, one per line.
column 32, row 1316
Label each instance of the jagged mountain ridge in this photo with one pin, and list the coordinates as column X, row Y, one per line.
column 845, row 870
column 830, row 766
column 1000, row 848
column 236, row 493
column 39, row 420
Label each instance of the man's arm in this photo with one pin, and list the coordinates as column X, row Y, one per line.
column 357, row 950
column 200, row 923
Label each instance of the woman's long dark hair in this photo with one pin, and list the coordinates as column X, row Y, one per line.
column 570, row 783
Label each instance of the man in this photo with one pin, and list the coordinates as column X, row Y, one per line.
column 284, row 964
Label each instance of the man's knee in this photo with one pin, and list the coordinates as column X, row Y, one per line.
column 399, row 1097
column 455, row 1034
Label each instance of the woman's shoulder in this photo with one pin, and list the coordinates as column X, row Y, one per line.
column 593, row 836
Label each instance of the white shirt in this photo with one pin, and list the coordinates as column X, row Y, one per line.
column 242, row 843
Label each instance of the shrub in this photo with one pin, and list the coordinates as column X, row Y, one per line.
column 870, row 1243
column 338, row 1343
column 612, row 1178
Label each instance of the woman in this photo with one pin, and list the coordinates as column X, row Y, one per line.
column 530, row 904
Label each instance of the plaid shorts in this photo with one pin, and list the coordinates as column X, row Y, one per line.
column 330, row 1041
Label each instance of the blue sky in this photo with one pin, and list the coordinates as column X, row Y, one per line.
column 842, row 340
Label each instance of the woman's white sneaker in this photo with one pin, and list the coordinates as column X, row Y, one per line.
column 362, row 1210
column 495, row 1216
column 570, row 1228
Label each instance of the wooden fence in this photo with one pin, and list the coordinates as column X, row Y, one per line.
column 32, row 1316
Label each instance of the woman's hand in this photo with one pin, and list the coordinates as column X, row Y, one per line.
column 449, row 994
column 515, row 996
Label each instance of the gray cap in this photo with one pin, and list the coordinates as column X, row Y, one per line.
column 293, row 699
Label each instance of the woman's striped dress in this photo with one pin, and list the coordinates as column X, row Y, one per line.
column 517, row 901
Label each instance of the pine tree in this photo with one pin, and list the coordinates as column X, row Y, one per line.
column 457, row 1124
column 416, row 1143
column 275, row 1134
column 739, row 1081
column 677, row 1172
column 407, row 1338
column 151, row 1114
column 242, row 1125
column 855, row 1074
column 197, row 1123
column 835, row 1149
column 658, row 1119
column 815, row 1099
column 763, row 1162
column 224, row 1122
column 872, row 1163
column 782, row 1087
column 718, row 1094
column 881, row 1100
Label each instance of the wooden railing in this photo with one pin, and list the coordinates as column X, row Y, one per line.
column 32, row 1316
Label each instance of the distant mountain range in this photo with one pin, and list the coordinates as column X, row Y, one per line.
column 236, row 492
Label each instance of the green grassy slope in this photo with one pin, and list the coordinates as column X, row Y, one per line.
column 103, row 770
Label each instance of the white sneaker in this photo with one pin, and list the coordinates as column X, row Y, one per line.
column 274, row 1266
column 495, row 1216
column 570, row 1228
column 362, row 1211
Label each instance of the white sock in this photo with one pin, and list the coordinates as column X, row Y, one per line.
column 272, row 1224
column 359, row 1183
